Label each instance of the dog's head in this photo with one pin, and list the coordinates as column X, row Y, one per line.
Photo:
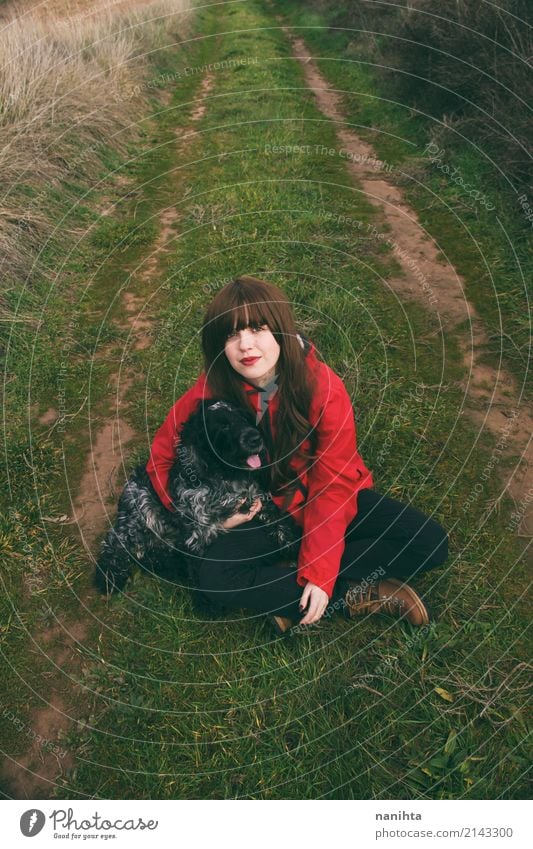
column 224, row 435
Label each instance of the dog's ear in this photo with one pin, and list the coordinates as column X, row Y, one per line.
column 190, row 453
column 189, row 426
column 193, row 445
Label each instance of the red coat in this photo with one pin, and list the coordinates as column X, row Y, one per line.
column 328, row 501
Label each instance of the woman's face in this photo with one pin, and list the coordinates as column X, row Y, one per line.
column 253, row 352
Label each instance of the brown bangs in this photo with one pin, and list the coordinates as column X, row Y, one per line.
column 240, row 308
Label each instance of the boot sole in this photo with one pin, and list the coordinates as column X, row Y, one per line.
column 282, row 626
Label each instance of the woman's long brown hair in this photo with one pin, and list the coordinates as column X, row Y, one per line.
column 250, row 301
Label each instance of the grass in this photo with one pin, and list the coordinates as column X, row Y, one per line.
column 53, row 346
column 71, row 87
column 177, row 705
column 461, row 193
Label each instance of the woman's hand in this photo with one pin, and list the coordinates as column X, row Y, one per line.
column 318, row 601
column 240, row 518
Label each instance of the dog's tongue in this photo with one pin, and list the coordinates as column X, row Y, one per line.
column 254, row 461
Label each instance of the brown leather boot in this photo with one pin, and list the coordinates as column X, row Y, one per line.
column 282, row 625
column 389, row 596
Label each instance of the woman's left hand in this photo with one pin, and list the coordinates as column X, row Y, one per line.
column 318, row 601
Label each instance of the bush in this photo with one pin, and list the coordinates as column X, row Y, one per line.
column 467, row 63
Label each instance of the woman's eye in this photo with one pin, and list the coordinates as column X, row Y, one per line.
column 255, row 328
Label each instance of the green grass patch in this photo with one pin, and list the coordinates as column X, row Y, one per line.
column 460, row 193
column 60, row 351
column 187, row 706
column 181, row 705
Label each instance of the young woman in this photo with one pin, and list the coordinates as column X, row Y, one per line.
column 356, row 543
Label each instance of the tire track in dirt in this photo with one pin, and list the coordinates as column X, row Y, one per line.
column 97, row 485
column 492, row 397
column 34, row 774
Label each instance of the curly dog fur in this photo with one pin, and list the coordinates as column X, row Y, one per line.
column 220, row 460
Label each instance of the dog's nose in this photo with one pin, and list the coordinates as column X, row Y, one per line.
column 251, row 441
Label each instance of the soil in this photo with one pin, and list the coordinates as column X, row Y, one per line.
column 48, row 416
column 97, row 490
column 34, row 773
column 492, row 397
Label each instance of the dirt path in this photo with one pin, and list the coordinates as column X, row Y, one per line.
column 492, row 397
column 33, row 775
column 97, row 490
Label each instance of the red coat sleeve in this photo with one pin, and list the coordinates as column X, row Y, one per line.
column 163, row 451
column 331, row 501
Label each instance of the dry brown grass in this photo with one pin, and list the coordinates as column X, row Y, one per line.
column 70, row 81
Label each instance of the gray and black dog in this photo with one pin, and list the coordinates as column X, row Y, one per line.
column 220, row 460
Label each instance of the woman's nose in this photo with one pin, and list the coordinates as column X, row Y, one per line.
column 246, row 340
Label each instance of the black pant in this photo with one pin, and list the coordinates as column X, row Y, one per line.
column 386, row 539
